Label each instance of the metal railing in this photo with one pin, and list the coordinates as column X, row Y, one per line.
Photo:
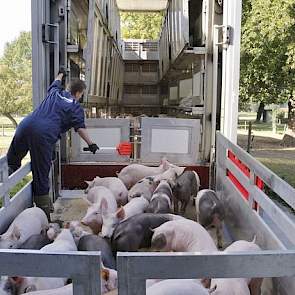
column 82, row 267
column 11, row 207
column 248, row 177
column 135, row 268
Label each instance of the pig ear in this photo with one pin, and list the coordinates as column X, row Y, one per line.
column 105, row 274
column 103, row 205
column 87, row 182
column 88, row 202
column 120, row 213
column 15, row 235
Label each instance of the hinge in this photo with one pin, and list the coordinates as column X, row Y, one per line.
column 226, row 32
column 68, row 5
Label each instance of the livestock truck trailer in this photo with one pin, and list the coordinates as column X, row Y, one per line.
column 195, row 59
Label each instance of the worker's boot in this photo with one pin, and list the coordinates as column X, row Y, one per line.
column 44, row 202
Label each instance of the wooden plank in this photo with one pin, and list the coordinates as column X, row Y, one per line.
column 279, row 186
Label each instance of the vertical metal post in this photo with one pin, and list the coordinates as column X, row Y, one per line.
column 4, row 180
column 231, row 70
column 249, row 137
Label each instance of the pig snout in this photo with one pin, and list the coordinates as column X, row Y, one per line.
column 159, row 242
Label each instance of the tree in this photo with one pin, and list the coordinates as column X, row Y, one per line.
column 267, row 51
column 16, row 77
column 141, row 25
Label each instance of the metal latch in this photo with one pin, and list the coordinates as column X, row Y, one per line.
column 46, row 33
column 226, row 35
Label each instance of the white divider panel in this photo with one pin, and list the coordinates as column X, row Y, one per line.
column 105, row 133
column 176, row 139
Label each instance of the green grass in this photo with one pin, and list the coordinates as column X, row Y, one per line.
column 282, row 167
column 19, row 186
column 261, row 127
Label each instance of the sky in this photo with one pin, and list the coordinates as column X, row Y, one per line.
column 15, row 17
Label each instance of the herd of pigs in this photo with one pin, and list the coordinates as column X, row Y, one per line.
column 136, row 210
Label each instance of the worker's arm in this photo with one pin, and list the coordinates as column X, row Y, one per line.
column 85, row 136
column 56, row 85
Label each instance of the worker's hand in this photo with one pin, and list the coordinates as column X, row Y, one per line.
column 63, row 71
column 93, row 148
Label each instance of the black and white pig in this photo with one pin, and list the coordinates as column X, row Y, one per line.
column 210, row 212
column 161, row 201
column 136, row 232
column 186, row 187
column 96, row 243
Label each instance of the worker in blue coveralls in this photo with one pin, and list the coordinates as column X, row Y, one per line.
column 39, row 131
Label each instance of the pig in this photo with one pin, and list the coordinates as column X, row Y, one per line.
column 111, row 220
column 109, row 279
column 210, row 212
column 161, row 201
column 53, row 231
column 143, row 188
column 186, row 187
column 99, row 199
column 135, row 232
column 131, row 174
column 63, row 242
column 66, row 290
column 170, row 175
column 114, row 184
column 245, row 246
column 36, row 242
column 96, row 243
column 230, row 287
column 31, row 221
column 176, row 287
column 13, row 286
column 182, row 235
column 77, row 230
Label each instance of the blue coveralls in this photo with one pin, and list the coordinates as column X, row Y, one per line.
column 39, row 132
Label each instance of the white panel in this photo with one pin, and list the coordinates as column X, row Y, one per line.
column 185, row 88
column 173, row 93
column 103, row 137
column 170, row 141
column 141, row 5
column 197, row 85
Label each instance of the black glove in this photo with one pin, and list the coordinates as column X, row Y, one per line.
column 93, row 148
column 62, row 70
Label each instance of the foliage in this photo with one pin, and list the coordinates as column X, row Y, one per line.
column 267, row 51
column 141, row 25
column 15, row 77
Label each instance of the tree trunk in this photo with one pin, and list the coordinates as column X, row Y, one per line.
column 9, row 116
column 289, row 136
column 260, row 111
